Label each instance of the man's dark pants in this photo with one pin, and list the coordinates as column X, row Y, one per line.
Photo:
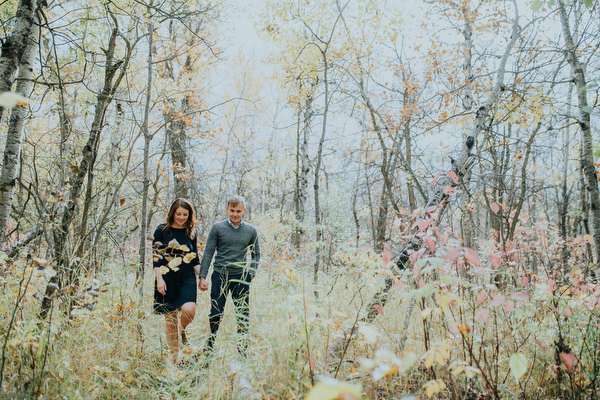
column 238, row 285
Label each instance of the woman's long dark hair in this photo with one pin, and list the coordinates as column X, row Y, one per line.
column 191, row 221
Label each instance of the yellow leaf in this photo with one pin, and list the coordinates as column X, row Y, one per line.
column 392, row 371
column 429, row 359
column 175, row 263
column 426, row 312
column 330, row 389
column 189, row 257
column 434, row 387
column 164, row 269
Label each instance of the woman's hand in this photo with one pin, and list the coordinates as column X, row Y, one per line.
column 161, row 286
column 203, row 284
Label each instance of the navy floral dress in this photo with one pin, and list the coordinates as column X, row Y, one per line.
column 176, row 255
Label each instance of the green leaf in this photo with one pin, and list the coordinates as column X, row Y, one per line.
column 518, row 365
column 597, row 153
column 551, row 3
column 588, row 2
column 587, row 109
column 536, row 5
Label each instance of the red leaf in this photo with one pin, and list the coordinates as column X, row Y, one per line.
column 311, row 362
column 471, row 256
column 449, row 190
column 495, row 207
column 413, row 256
column 539, row 344
column 430, row 209
column 453, row 176
column 444, row 237
column 378, row 308
column 422, row 225
column 121, row 202
column 520, row 296
column 421, row 283
column 508, row 306
column 437, row 176
column 496, row 261
column 398, row 285
column 453, row 254
column 568, row 359
column 431, row 244
column 524, row 281
column 496, row 301
column 481, row 298
column 483, row 315
column 387, row 256
column 568, row 312
column 416, row 268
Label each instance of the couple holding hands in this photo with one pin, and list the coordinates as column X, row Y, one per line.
column 176, row 263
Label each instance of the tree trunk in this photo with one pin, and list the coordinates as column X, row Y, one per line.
column 146, row 180
column 318, row 219
column 114, row 153
column 15, row 45
column 14, row 134
column 410, row 187
column 587, row 159
column 467, row 103
column 302, row 169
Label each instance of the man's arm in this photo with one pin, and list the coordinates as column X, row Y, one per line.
column 209, row 252
column 207, row 256
column 255, row 256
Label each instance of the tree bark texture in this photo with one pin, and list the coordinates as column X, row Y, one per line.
column 302, row 168
column 587, row 159
column 15, row 45
column 14, row 134
column 140, row 273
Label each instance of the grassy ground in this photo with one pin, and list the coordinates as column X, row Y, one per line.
column 117, row 350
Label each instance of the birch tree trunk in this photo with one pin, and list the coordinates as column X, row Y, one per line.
column 302, row 168
column 177, row 142
column 146, row 179
column 14, row 134
column 587, row 157
column 318, row 219
column 467, row 102
column 15, row 45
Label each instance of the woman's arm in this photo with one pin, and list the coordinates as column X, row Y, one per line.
column 161, row 286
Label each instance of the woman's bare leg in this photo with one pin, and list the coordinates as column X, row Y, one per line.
column 172, row 334
column 188, row 311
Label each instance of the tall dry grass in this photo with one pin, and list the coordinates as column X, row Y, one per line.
column 457, row 325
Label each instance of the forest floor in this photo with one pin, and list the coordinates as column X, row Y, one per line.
column 459, row 343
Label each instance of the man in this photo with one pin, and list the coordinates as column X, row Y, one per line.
column 232, row 239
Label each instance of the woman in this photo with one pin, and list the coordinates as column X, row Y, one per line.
column 176, row 263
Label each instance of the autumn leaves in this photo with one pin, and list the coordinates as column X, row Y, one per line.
column 174, row 254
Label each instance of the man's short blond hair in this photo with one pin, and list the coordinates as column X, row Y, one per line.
column 235, row 200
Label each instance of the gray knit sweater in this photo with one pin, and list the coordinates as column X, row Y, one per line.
column 232, row 246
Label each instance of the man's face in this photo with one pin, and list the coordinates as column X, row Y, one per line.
column 236, row 213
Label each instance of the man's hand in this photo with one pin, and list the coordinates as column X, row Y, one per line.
column 203, row 284
column 161, row 286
